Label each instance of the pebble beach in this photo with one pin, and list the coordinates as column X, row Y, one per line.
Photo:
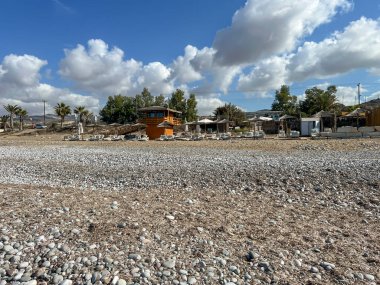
column 206, row 212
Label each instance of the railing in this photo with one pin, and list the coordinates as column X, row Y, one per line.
column 156, row 121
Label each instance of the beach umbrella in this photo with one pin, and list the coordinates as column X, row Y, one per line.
column 286, row 117
column 358, row 112
column 323, row 114
column 205, row 122
column 265, row 119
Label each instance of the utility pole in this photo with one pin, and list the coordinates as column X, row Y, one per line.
column 44, row 113
column 357, row 115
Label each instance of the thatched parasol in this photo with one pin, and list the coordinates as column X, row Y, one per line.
column 323, row 114
column 286, row 117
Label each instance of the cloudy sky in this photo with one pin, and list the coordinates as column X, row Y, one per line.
column 239, row 51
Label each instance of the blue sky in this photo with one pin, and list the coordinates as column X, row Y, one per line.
column 81, row 52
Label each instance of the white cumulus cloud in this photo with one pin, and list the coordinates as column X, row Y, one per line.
column 358, row 46
column 207, row 104
column 20, row 70
column 20, row 84
column 265, row 28
column 266, row 75
column 105, row 72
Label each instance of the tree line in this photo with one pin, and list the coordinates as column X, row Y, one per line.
column 118, row 109
column 122, row 109
column 61, row 110
column 316, row 100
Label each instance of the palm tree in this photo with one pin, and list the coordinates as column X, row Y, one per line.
column 62, row 110
column 87, row 115
column 230, row 112
column 11, row 109
column 4, row 120
column 326, row 101
column 22, row 113
column 81, row 111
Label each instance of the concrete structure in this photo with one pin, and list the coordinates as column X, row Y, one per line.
column 307, row 124
column 159, row 121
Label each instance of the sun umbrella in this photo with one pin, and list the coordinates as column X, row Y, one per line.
column 285, row 117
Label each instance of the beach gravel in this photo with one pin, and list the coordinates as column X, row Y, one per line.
column 223, row 212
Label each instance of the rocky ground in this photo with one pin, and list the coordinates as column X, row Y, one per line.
column 221, row 212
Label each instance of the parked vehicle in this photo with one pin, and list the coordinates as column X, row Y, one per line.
column 225, row 136
column 40, row 126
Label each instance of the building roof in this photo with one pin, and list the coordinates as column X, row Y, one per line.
column 358, row 112
column 285, row 117
column 323, row 114
column 158, row 108
column 310, row 119
column 206, row 121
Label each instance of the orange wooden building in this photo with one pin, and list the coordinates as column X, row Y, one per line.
column 159, row 120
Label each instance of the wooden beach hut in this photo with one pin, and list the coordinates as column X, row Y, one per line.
column 159, row 120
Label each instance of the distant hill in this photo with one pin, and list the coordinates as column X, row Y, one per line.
column 375, row 103
column 49, row 118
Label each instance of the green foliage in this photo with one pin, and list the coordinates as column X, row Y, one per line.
column 53, row 126
column 159, row 100
column 87, row 116
column 230, row 112
column 11, row 109
column 122, row 109
column 178, row 102
column 119, row 109
column 62, row 110
column 191, row 108
column 3, row 121
column 319, row 100
column 285, row 102
column 145, row 99
column 80, row 111
column 21, row 113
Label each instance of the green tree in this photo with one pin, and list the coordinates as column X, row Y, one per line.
column 191, row 108
column 4, row 120
column 178, row 102
column 62, row 110
column 22, row 114
column 159, row 100
column 11, row 109
column 119, row 109
column 284, row 101
column 87, row 115
column 230, row 112
column 80, row 111
column 317, row 99
column 145, row 99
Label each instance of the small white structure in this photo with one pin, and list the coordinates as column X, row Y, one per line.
column 307, row 124
column 80, row 128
